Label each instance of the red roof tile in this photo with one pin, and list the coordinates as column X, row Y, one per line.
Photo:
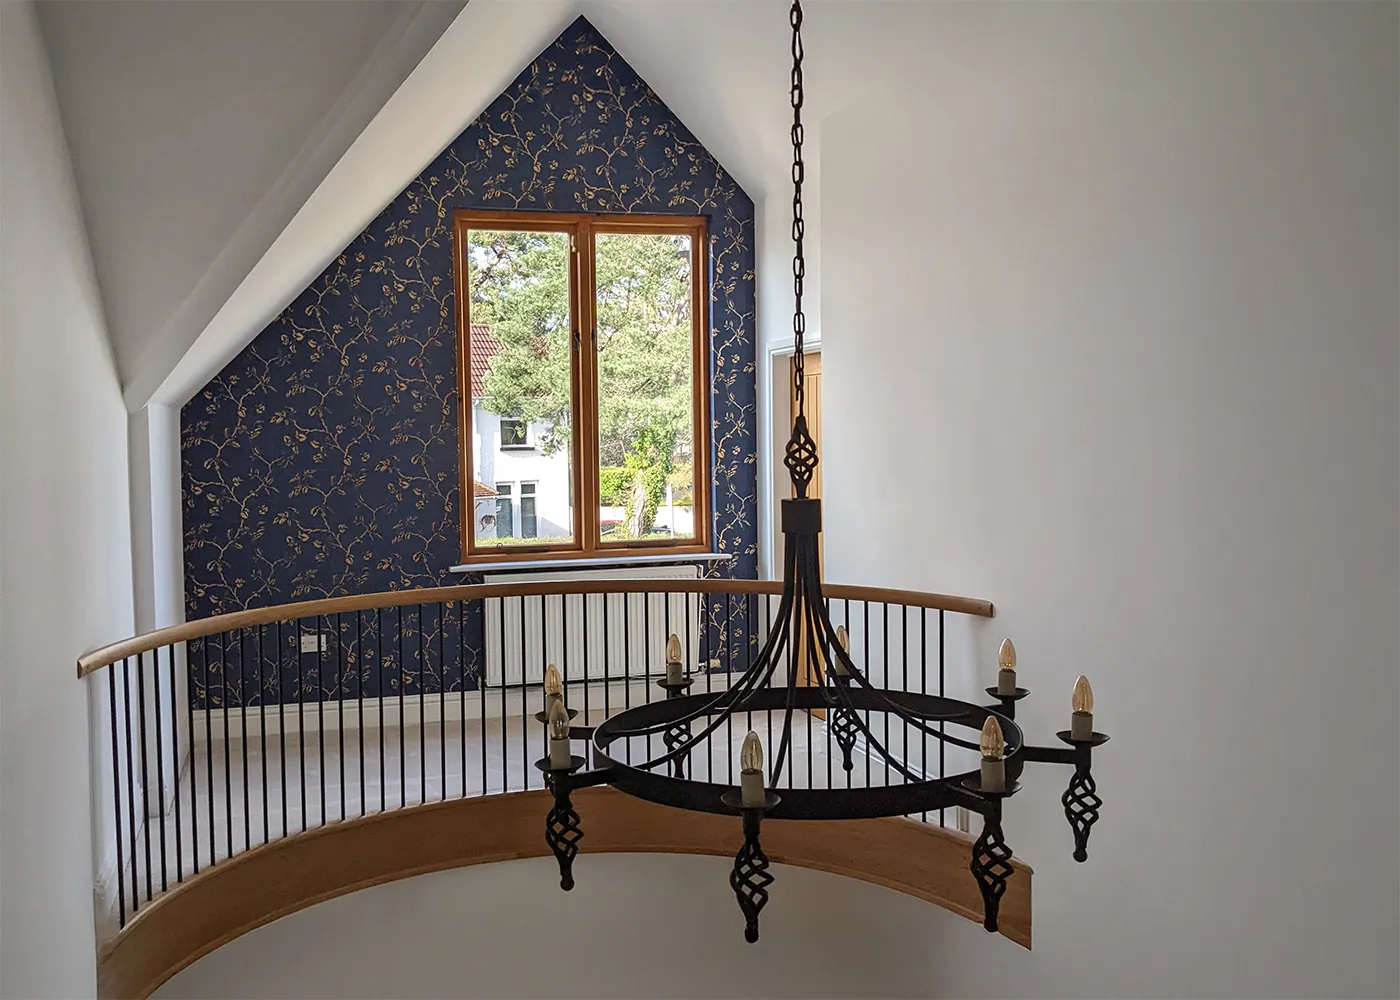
column 482, row 490
column 483, row 348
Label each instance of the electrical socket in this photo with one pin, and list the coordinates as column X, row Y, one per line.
column 313, row 642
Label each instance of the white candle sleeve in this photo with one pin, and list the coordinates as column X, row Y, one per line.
column 752, row 793
column 993, row 775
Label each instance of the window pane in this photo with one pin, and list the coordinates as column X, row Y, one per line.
column 521, row 392
column 513, row 434
column 645, row 382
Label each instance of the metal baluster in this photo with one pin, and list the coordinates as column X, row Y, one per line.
column 481, row 696
column 525, row 768
column 647, row 648
column 321, row 711
column 194, row 770
column 904, row 652
column 442, row 697
column 117, row 794
column 360, row 667
column 923, row 689
column 282, row 723
column 942, row 743
column 130, row 777
column 422, row 713
column 160, row 765
column 243, row 746
column 462, row 686
column 583, row 626
column 145, row 776
column 301, row 717
column 607, row 665
column 340, row 662
column 727, row 638
column 175, row 764
column 208, row 746
column 379, row 694
column 262, row 729
column 403, row 758
column 885, row 681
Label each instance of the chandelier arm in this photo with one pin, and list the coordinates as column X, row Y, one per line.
column 889, row 758
column 904, row 713
column 729, row 700
column 773, row 648
column 793, row 664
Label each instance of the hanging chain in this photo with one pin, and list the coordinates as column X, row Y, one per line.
column 799, row 262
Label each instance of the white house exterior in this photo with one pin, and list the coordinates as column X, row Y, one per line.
column 521, row 492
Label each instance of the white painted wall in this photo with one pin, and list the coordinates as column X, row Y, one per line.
column 635, row 925
column 65, row 548
column 1126, row 277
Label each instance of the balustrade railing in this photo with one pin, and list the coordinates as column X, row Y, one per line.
column 218, row 736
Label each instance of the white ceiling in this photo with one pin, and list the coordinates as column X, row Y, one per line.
column 197, row 129
column 226, row 151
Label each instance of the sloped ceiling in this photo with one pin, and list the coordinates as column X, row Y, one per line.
column 211, row 197
column 196, row 130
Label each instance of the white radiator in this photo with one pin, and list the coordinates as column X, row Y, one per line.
column 624, row 634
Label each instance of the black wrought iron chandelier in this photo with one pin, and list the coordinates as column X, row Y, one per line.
column 831, row 681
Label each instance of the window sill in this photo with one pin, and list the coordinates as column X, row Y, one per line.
column 591, row 562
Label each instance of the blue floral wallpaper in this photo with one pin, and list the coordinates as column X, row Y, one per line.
column 323, row 460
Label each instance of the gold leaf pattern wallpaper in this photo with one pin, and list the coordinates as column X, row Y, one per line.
column 323, row 460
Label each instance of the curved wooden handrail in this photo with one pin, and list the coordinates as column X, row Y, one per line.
column 109, row 654
column 273, row 880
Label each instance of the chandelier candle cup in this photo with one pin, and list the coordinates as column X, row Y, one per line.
column 553, row 690
column 674, row 673
column 1081, row 723
column 1006, row 676
column 751, row 790
column 993, row 748
column 559, row 755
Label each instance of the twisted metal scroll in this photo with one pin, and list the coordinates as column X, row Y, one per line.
column 750, row 878
column 562, row 832
column 1081, row 801
column 991, row 866
column 677, row 735
column 845, row 727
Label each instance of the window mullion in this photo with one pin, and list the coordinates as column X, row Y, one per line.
column 585, row 443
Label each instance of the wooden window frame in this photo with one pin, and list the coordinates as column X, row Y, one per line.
column 583, row 366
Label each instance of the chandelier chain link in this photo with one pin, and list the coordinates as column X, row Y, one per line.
column 799, row 260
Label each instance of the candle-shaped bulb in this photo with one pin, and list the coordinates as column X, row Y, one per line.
column 558, row 721
column 1006, row 676
column 553, row 682
column 675, row 672
column 992, row 743
column 752, row 794
column 1081, row 720
column 843, row 639
column 751, row 753
column 993, row 747
column 1083, row 698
